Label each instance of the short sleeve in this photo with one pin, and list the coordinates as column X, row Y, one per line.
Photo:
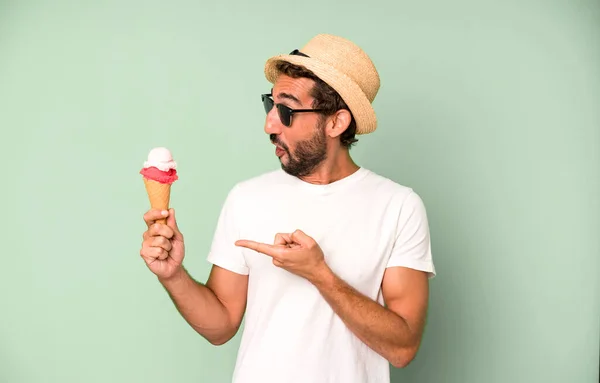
column 412, row 245
column 223, row 251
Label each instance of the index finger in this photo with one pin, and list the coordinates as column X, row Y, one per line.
column 154, row 215
column 271, row 250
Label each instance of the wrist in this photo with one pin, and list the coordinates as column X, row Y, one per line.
column 177, row 276
column 323, row 277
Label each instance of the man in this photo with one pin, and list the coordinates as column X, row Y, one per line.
column 327, row 261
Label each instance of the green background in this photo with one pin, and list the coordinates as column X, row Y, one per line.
column 490, row 110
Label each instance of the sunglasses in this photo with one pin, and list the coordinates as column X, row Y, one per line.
column 285, row 113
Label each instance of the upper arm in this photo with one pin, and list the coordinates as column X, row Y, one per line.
column 228, row 277
column 231, row 289
column 406, row 293
column 405, row 284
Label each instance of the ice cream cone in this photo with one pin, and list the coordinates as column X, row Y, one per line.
column 159, row 173
column 159, row 195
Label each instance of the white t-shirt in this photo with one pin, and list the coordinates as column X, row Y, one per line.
column 364, row 223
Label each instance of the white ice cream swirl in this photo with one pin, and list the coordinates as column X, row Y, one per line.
column 160, row 158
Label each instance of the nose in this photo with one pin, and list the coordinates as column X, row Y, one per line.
column 272, row 123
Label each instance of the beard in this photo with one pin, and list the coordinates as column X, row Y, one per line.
column 309, row 154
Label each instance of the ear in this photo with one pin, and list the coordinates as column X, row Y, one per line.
column 339, row 122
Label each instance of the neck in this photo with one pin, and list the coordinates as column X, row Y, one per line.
column 334, row 168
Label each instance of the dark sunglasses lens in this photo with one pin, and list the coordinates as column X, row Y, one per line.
column 285, row 114
column 267, row 103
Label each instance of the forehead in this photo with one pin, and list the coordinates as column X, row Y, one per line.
column 298, row 87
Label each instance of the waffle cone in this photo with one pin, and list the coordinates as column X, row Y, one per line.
column 159, row 195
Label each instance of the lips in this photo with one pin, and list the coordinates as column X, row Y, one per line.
column 279, row 151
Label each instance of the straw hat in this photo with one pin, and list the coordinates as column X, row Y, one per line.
column 345, row 67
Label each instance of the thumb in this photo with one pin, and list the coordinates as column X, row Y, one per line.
column 282, row 239
column 301, row 238
column 172, row 223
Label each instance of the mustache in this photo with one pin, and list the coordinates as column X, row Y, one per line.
column 275, row 140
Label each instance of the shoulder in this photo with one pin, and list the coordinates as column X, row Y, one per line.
column 397, row 195
column 257, row 184
column 385, row 186
column 260, row 181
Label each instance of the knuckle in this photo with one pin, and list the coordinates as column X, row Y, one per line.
column 149, row 216
column 165, row 243
column 155, row 229
column 158, row 241
column 144, row 253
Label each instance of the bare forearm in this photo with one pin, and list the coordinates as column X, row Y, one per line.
column 200, row 307
column 382, row 330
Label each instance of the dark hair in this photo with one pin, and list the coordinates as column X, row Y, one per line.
column 325, row 97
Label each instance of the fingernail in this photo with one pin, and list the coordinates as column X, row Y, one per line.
column 164, row 213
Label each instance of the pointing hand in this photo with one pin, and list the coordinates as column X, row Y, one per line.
column 295, row 252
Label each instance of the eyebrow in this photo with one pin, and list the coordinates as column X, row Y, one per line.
column 291, row 97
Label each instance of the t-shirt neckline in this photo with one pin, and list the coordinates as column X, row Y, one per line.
column 332, row 187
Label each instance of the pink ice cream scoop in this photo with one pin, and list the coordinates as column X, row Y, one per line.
column 160, row 166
